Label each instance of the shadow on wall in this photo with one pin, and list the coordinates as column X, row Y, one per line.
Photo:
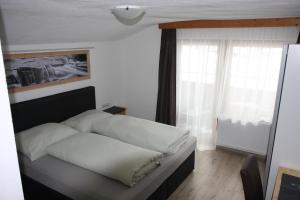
column 3, row 39
column 2, row 31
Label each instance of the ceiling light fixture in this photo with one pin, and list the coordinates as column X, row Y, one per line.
column 128, row 14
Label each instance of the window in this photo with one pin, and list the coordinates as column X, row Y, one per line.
column 225, row 79
column 196, row 84
column 228, row 74
column 251, row 81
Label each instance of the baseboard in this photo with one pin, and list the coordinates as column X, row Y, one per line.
column 241, row 152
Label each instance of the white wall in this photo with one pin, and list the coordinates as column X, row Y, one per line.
column 139, row 61
column 286, row 146
column 104, row 70
column 10, row 182
column 250, row 138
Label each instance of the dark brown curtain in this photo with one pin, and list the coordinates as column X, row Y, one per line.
column 166, row 99
column 298, row 41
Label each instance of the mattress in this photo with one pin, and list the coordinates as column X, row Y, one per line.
column 81, row 184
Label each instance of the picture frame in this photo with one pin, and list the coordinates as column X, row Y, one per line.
column 282, row 171
column 28, row 71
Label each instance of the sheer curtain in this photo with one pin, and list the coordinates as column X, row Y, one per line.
column 251, row 81
column 228, row 74
column 196, row 88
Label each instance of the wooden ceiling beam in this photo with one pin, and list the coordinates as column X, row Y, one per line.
column 235, row 23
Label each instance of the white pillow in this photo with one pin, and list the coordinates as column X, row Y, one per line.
column 34, row 141
column 83, row 122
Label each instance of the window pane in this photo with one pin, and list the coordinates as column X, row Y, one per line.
column 196, row 70
column 250, row 91
column 253, row 66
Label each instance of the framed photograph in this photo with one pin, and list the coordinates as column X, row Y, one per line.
column 29, row 71
column 287, row 184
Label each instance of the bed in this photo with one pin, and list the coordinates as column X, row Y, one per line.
column 66, row 181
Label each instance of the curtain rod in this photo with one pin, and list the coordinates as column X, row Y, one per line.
column 46, row 50
column 232, row 23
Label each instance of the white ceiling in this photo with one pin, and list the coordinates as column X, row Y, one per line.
column 56, row 21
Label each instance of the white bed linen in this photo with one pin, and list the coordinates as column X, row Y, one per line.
column 144, row 133
column 34, row 141
column 83, row 122
column 109, row 157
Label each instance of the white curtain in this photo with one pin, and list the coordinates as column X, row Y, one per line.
column 228, row 74
column 196, row 88
column 252, row 71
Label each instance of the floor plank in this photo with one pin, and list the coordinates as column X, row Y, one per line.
column 216, row 177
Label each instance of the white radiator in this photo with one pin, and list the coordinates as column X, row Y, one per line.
column 250, row 138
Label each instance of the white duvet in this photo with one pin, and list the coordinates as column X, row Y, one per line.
column 109, row 157
column 144, row 133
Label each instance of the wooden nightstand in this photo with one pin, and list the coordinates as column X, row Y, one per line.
column 116, row 110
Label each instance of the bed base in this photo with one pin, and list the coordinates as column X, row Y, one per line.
column 172, row 182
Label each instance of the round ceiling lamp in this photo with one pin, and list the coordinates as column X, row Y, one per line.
column 128, row 14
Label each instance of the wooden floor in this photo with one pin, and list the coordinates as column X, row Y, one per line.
column 216, row 177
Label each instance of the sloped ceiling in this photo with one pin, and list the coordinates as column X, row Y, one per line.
column 56, row 21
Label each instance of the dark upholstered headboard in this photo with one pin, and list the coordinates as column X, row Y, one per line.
column 54, row 108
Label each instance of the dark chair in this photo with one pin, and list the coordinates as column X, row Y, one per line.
column 251, row 179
